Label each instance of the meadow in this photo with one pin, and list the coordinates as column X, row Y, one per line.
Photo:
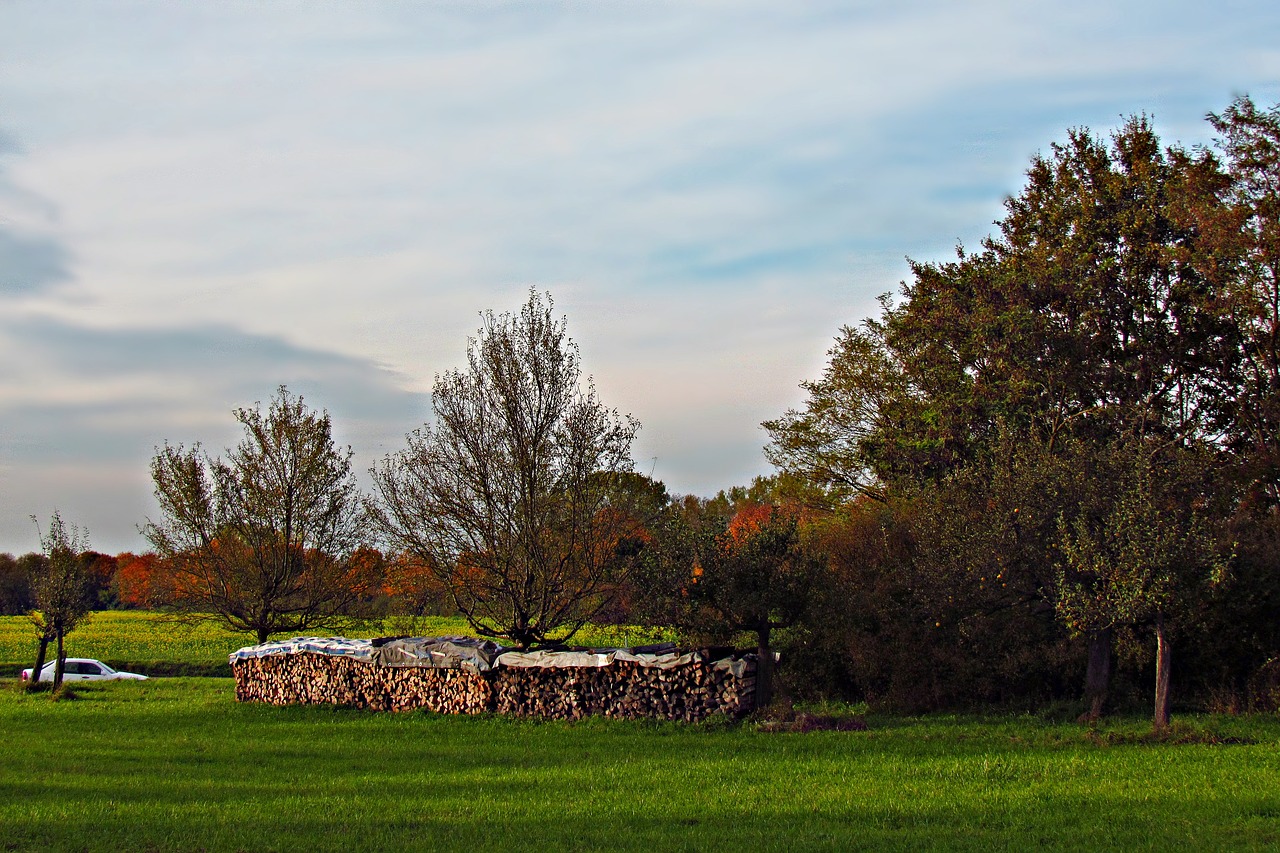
column 141, row 641
column 177, row 764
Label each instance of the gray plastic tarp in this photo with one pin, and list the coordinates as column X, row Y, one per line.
column 438, row 653
column 596, row 657
column 340, row 646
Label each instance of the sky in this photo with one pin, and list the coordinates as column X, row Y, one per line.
column 200, row 202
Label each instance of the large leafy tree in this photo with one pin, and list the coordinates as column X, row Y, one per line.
column 758, row 576
column 1091, row 317
column 263, row 538
column 1239, row 224
column 1084, row 315
column 511, row 495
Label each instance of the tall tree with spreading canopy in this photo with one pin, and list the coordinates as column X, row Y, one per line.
column 1083, row 316
column 1240, row 235
column 510, row 495
column 262, row 539
column 1092, row 317
column 732, row 564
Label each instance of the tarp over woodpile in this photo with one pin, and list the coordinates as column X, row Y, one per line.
column 338, row 646
column 667, row 658
column 437, row 653
column 430, row 652
column 483, row 655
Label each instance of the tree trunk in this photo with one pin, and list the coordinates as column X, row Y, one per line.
column 40, row 653
column 60, row 666
column 262, row 635
column 1097, row 678
column 764, row 670
column 1163, row 659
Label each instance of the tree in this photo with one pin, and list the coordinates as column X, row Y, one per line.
column 140, row 580
column 510, row 496
column 261, row 540
column 100, row 573
column 824, row 445
column 756, row 576
column 979, row 562
column 15, row 586
column 717, row 569
column 1240, row 227
column 1090, row 316
column 1082, row 316
column 1140, row 553
column 60, row 588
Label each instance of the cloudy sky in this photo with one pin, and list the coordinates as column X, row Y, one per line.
column 201, row 201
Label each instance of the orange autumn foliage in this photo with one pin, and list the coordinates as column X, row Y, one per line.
column 747, row 522
column 139, row 578
column 408, row 579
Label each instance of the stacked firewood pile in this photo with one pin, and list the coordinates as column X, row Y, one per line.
column 308, row 678
column 560, row 687
column 690, row 692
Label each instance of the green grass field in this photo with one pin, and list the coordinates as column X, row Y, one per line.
column 177, row 764
column 146, row 642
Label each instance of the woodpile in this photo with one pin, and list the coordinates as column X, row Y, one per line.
column 308, row 678
column 690, row 691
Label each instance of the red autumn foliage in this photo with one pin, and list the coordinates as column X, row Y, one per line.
column 139, row 578
column 748, row 521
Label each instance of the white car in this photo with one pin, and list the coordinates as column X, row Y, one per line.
column 82, row 669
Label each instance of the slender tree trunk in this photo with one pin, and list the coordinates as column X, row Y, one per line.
column 40, row 655
column 61, row 664
column 764, row 670
column 262, row 635
column 1097, row 678
column 1163, row 659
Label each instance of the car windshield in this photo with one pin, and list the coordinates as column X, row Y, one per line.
column 106, row 670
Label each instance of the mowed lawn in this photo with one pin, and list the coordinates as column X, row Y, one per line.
column 177, row 764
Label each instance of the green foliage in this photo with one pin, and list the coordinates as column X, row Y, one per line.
column 825, row 445
column 15, row 584
column 1241, row 256
column 1139, row 547
column 1126, row 300
column 754, row 575
column 1079, row 318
